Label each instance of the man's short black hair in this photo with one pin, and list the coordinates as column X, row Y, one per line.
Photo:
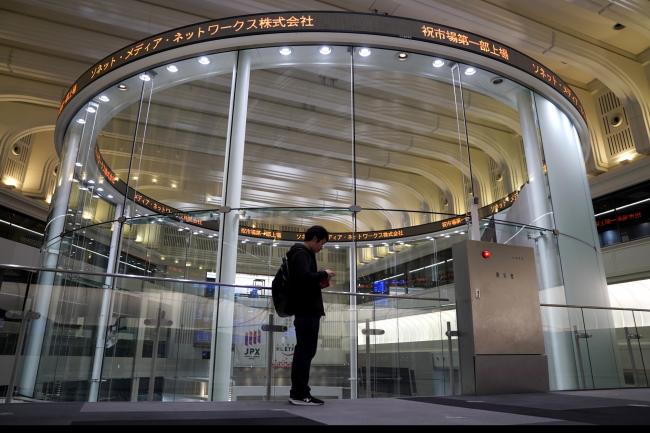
column 318, row 232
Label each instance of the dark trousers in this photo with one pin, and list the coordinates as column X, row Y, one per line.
column 305, row 350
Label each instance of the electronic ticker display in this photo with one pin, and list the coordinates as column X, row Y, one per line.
column 337, row 22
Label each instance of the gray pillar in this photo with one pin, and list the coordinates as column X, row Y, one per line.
column 221, row 359
column 534, row 207
column 49, row 259
column 579, row 249
column 104, row 313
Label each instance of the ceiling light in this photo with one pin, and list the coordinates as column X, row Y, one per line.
column 154, row 180
column 470, row 71
column 144, row 77
column 91, row 109
column 173, row 185
column 364, row 52
column 172, row 68
column 122, row 86
column 285, row 51
column 204, row 60
column 135, row 178
column 81, row 121
column 402, row 56
column 325, row 50
column 110, row 196
column 91, row 181
column 104, row 98
column 438, row 63
column 100, row 189
column 78, row 164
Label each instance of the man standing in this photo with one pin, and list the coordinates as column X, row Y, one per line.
column 307, row 304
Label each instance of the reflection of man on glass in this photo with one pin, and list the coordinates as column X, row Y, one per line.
column 306, row 302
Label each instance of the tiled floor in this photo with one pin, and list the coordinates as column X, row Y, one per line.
column 602, row 407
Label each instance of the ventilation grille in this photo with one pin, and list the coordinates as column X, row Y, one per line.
column 615, row 124
column 15, row 160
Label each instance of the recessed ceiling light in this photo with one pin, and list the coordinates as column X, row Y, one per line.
column 438, row 63
column 81, row 121
column 110, row 196
column 402, row 56
column 325, row 50
column 172, row 68
column 364, row 52
column 470, row 71
column 145, row 77
column 154, row 180
column 204, row 60
column 285, row 51
column 122, row 86
column 103, row 98
column 91, row 109
column 78, row 164
column 135, row 177
column 618, row 26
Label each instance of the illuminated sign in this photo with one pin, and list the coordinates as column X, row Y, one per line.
column 603, row 222
column 338, row 22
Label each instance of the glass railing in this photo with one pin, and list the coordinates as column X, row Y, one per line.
column 112, row 337
column 609, row 347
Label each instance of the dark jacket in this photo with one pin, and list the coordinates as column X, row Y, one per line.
column 305, row 292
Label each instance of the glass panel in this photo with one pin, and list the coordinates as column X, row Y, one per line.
column 298, row 129
column 603, row 351
column 13, row 290
column 642, row 331
column 65, row 366
column 405, row 137
column 162, row 331
column 629, row 348
column 566, row 348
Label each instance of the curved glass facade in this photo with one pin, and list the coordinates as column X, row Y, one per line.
column 209, row 168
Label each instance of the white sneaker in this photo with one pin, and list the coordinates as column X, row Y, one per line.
column 307, row 401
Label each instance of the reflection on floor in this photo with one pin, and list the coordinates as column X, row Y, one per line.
column 601, row 407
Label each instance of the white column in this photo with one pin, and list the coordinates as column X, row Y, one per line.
column 104, row 313
column 582, row 269
column 221, row 357
column 534, row 207
column 49, row 259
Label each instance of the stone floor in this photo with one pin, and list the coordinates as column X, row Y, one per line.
column 601, row 407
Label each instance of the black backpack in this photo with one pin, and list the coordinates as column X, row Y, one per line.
column 280, row 290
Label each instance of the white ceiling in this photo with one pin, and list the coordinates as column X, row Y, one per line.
column 52, row 42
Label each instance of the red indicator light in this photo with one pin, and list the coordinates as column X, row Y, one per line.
column 486, row 254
